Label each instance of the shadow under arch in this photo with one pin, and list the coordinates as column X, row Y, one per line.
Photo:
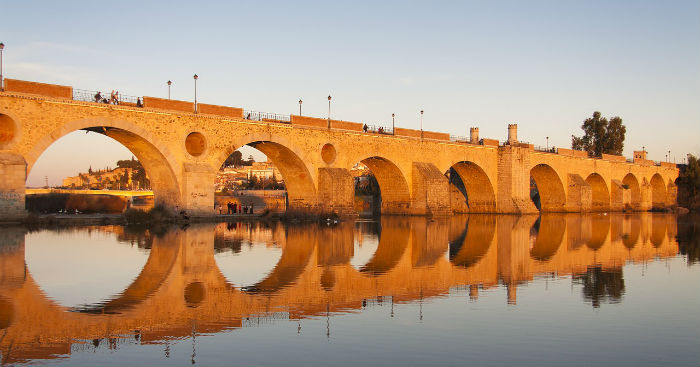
column 393, row 187
column 470, row 247
column 658, row 192
column 635, row 200
column 394, row 235
column 156, row 158
column 550, row 234
column 550, row 188
column 161, row 260
column 600, row 192
column 475, row 186
column 298, row 181
column 300, row 244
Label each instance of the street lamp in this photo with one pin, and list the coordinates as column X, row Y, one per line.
column 169, row 83
column 393, row 124
column 669, row 156
column 421, row 124
column 195, row 92
column 300, row 106
column 547, row 143
column 329, row 111
column 2, row 84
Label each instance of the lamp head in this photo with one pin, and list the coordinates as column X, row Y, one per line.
column 196, row 77
column 169, row 82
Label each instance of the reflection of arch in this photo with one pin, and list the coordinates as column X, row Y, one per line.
column 633, row 228
column 600, row 225
column 429, row 240
column 161, row 259
column 480, row 194
column 658, row 192
column 153, row 155
column 474, row 242
column 393, row 240
column 295, row 255
column 601, row 194
column 550, row 188
column 658, row 230
column 631, row 183
column 392, row 184
column 298, row 180
column 549, row 236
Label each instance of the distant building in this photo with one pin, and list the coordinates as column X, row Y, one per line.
column 232, row 178
column 116, row 179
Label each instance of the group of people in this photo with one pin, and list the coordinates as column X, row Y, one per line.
column 113, row 99
column 235, row 208
column 380, row 130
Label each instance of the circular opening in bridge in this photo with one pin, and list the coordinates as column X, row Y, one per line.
column 328, row 153
column 195, row 144
column 7, row 130
column 7, row 313
column 194, row 294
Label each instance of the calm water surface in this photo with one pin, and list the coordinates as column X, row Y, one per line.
column 472, row 290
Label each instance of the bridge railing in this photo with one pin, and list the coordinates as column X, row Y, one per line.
column 539, row 148
column 460, row 139
column 377, row 129
column 266, row 116
column 103, row 97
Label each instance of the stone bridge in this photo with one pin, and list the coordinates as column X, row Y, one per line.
column 181, row 291
column 419, row 172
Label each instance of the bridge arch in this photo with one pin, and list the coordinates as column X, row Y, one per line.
column 658, row 192
column 393, row 186
column 298, row 180
column 601, row 194
column 156, row 158
column 550, row 188
column 631, row 183
column 550, row 234
column 478, row 189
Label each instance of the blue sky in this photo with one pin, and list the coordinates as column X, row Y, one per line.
column 546, row 65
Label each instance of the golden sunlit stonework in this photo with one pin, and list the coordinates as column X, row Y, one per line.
column 182, row 151
column 181, row 285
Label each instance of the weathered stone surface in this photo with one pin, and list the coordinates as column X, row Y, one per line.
column 410, row 170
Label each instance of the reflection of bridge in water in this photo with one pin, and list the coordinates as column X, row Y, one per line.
column 181, row 289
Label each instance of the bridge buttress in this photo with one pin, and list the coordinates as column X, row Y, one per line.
column 13, row 174
column 617, row 196
column 430, row 191
column 579, row 196
column 513, row 187
column 336, row 191
column 645, row 194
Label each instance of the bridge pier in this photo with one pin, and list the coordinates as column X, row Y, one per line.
column 513, row 193
column 430, row 191
column 336, row 191
column 617, row 196
column 13, row 174
column 197, row 189
column 579, row 197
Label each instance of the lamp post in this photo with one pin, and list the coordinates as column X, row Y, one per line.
column 669, row 156
column 2, row 84
column 195, row 92
column 300, row 106
column 547, row 144
column 329, row 111
column 393, row 124
column 421, row 124
column 169, row 83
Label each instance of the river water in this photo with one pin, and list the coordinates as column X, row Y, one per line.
column 583, row 290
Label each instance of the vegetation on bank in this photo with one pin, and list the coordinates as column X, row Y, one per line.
column 688, row 184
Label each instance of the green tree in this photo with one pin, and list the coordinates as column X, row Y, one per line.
column 235, row 159
column 688, row 183
column 600, row 136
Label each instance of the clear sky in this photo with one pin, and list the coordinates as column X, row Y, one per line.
column 546, row 65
